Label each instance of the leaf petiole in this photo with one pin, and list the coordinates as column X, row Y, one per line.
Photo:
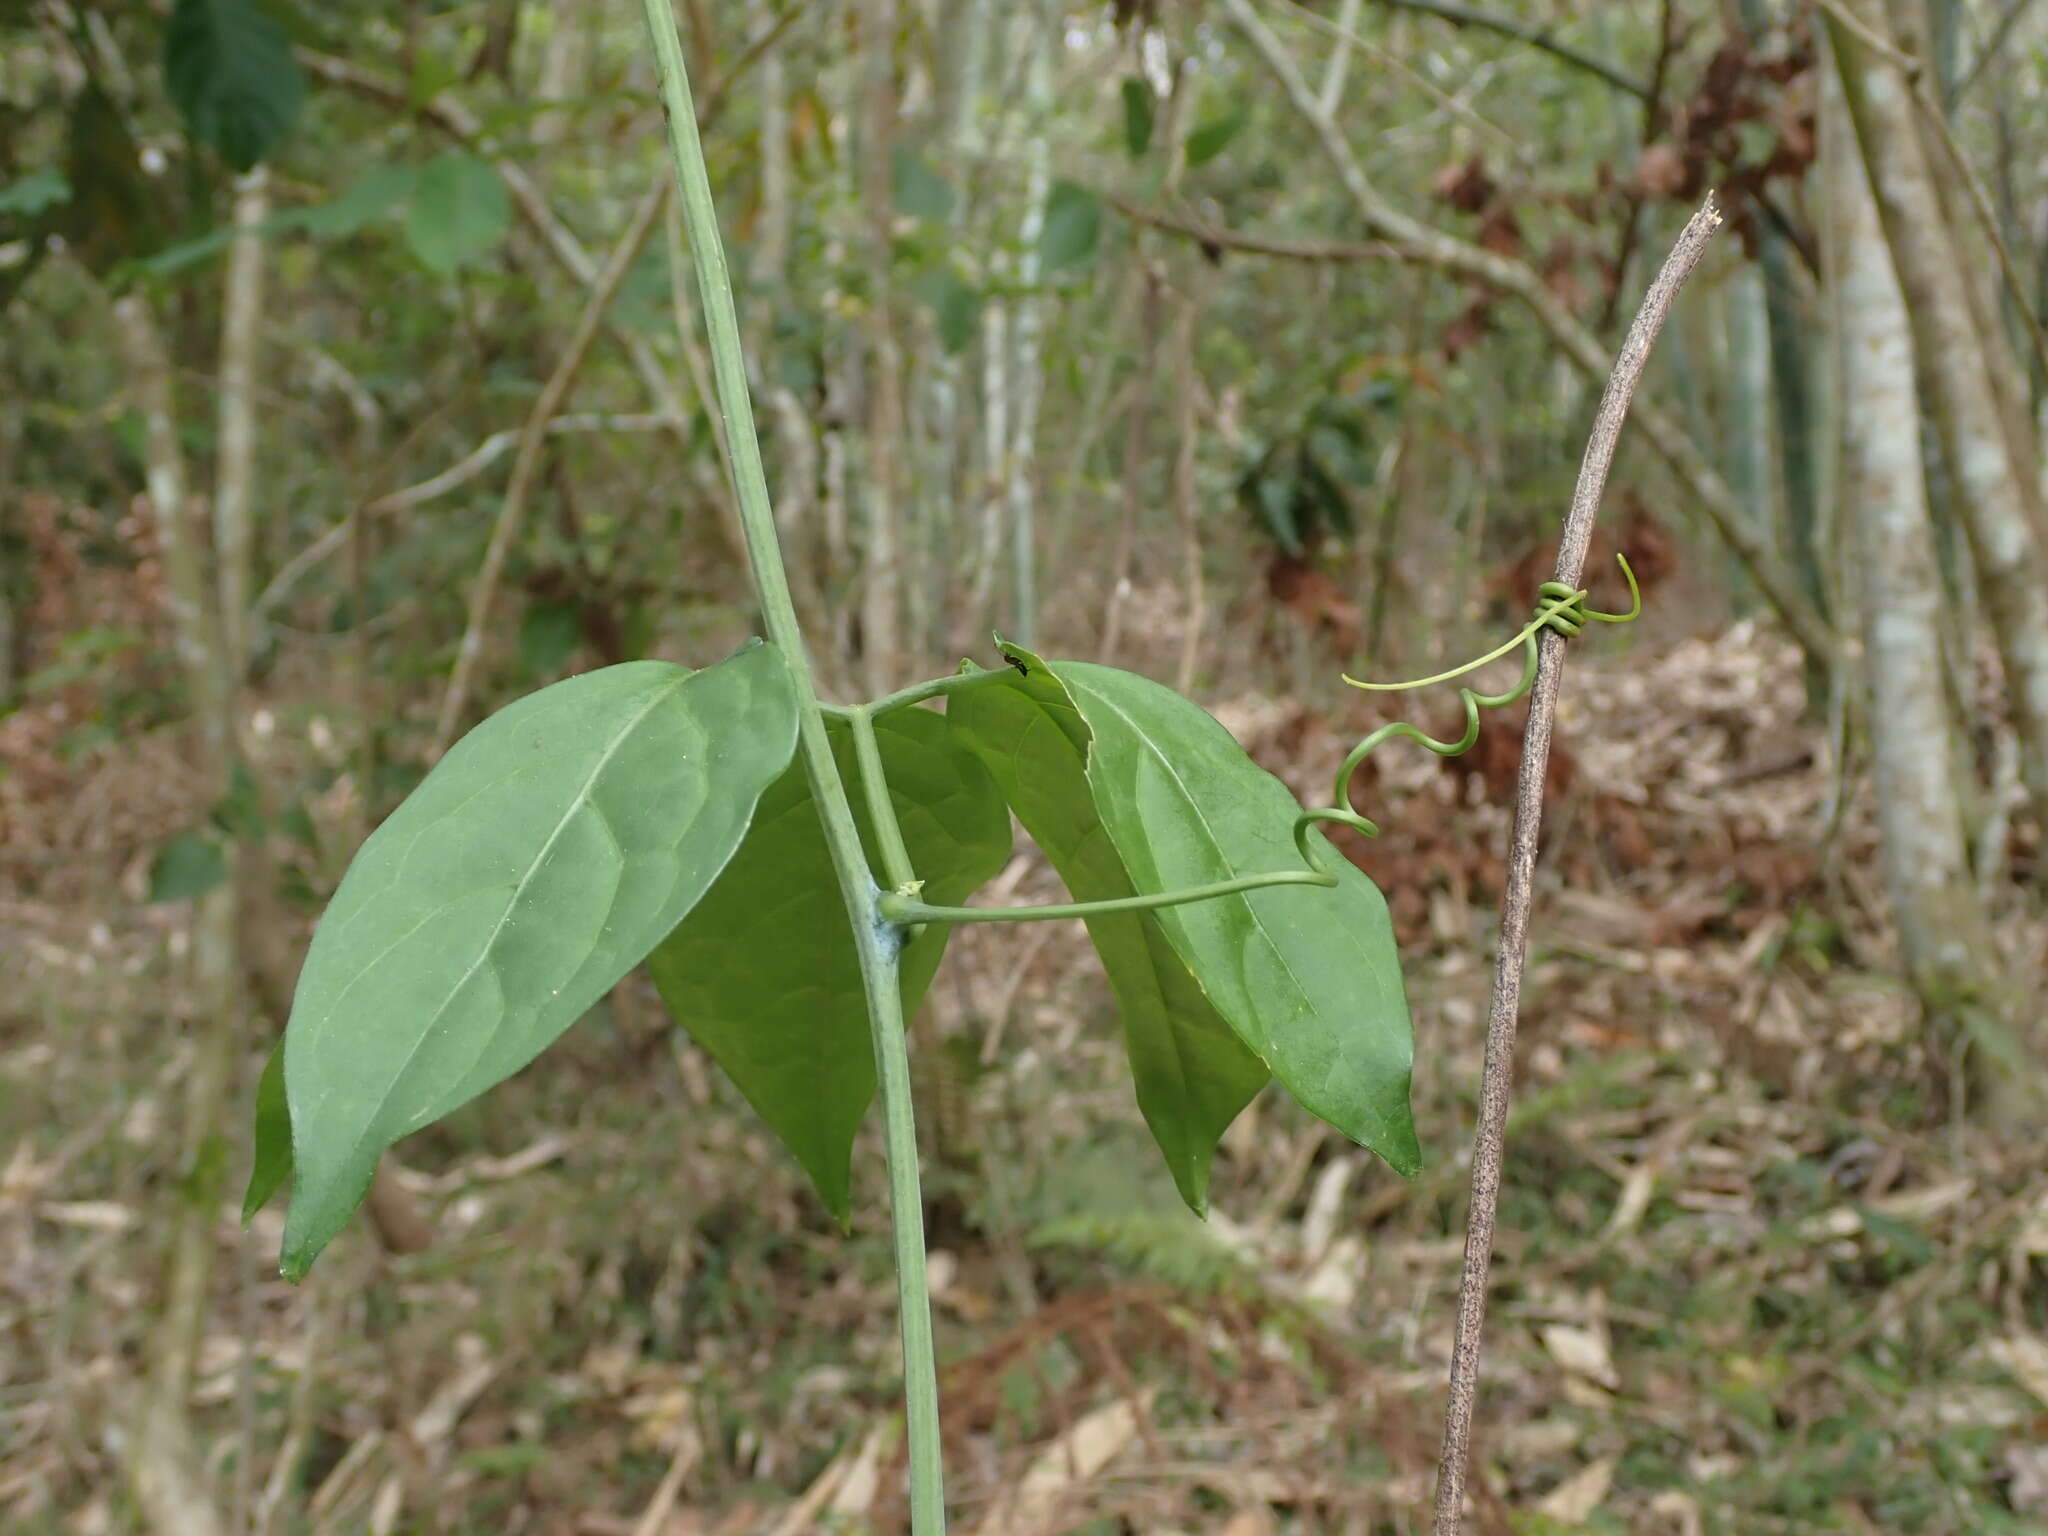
column 898, row 908
column 917, row 693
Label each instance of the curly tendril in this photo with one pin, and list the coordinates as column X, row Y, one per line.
column 1560, row 608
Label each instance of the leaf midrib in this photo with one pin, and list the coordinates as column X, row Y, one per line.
column 581, row 798
column 1042, row 719
column 1145, row 745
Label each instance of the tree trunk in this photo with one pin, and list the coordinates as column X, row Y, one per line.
column 882, row 574
column 1027, row 374
column 241, row 327
column 164, row 1467
column 1941, row 929
column 1997, row 500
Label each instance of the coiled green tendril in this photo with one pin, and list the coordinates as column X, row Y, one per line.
column 1560, row 608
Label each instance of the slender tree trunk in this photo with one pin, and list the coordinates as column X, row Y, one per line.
column 882, row 574
column 1331, row 96
column 1997, row 500
column 1792, row 397
column 995, row 448
column 1187, row 385
column 768, row 252
column 1131, row 486
column 1020, row 458
column 233, row 517
column 1749, row 405
column 170, row 1486
column 943, row 372
column 1917, row 29
column 1919, row 804
column 564, row 71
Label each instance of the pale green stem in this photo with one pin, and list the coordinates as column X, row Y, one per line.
column 917, row 693
column 898, row 908
column 867, row 752
column 877, row 941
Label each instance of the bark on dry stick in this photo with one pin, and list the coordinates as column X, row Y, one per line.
column 526, row 466
column 1491, row 1134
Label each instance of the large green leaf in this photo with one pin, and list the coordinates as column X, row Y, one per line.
column 458, row 211
column 1213, row 137
column 368, row 198
column 34, row 192
column 537, row 863
column 231, row 73
column 1073, row 221
column 764, row 973
column 190, row 864
column 1192, row 1075
column 1138, row 99
column 1308, row 977
column 921, row 192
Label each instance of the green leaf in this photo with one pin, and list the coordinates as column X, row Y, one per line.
column 1210, row 139
column 548, row 637
column 369, row 198
column 459, row 210
column 1192, row 1075
column 1073, row 220
column 34, row 192
column 116, row 210
column 955, row 306
column 920, row 191
column 190, row 864
column 538, row 862
column 239, row 813
column 273, row 1137
column 1138, row 101
column 1308, row 977
column 764, row 975
column 230, row 71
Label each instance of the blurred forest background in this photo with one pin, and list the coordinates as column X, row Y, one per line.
column 351, row 386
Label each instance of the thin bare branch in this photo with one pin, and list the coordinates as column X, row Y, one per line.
column 1993, row 46
column 1525, row 32
column 453, row 478
column 526, row 466
column 1347, row 36
column 1206, row 234
column 1489, row 1139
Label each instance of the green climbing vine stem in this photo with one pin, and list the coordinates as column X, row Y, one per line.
column 867, row 756
column 969, row 676
column 1561, row 608
column 901, row 907
column 877, row 944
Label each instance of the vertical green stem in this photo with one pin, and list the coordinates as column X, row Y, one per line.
column 877, row 940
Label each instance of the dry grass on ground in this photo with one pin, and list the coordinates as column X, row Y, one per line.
column 1756, row 1272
